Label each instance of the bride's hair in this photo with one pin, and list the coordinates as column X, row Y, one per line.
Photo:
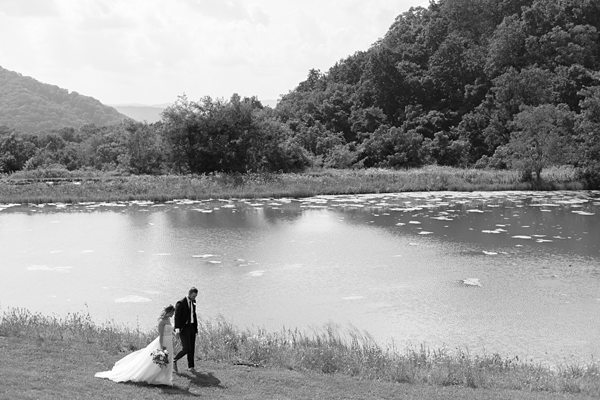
column 168, row 309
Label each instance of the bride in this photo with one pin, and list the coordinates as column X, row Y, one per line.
column 139, row 367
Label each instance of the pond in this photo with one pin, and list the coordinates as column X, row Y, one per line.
column 516, row 273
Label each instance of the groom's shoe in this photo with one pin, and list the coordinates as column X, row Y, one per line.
column 192, row 369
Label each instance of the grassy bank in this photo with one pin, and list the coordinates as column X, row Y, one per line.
column 65, row 186
column 291, row 361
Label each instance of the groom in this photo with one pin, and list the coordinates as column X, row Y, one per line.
column 186, row 327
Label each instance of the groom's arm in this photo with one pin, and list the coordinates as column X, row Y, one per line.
column 195, row 319
column 178, row 319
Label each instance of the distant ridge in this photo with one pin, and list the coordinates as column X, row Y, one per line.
column 152, row 113
column 141, row 112
column 30, row 106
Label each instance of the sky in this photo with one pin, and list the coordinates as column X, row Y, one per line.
column 151, row 51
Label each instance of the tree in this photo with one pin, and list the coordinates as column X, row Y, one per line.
column 507, row 47
column 341, row 156
column 447, row 151
column 393, row 147
column 570, row 80
column 184, row 129
column 512, row 90
column 15, row 150
column 456, row 63
column 470, row 130
column 540, row 138
column 144, row 149
column 274, row 148
column 238, row 135
column 588, row 138
column 366, row 120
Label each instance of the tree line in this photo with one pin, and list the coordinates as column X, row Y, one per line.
column 238, row 135
column 480, row 83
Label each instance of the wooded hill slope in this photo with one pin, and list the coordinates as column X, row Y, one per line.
column 30, row 106
column 461, row 82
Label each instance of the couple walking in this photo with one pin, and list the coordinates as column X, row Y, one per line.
column 139, row 366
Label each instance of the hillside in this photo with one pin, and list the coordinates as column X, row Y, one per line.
column 28, row 105
column 462, row 82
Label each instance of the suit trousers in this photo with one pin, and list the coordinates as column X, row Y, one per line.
column 187, row 335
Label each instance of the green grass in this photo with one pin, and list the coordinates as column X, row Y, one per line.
column 50, row 370
column 342, row 363
column 65, row 186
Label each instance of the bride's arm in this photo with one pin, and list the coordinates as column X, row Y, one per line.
column 161, row 334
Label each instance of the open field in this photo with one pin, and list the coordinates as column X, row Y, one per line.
column 64, row 186
column 51, row 357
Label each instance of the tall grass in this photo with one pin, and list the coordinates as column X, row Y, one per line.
column 111, row 336
column 327, row 351
column 90, row 186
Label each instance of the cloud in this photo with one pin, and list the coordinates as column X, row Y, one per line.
column 29, row 8
column 260, row 17
column 99, row 16
column 150, row 51
column 230, row 11
column 224, row 10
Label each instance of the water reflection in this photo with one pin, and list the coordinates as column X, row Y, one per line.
column 390, row 264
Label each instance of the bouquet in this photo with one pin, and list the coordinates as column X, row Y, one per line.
column 160, row 357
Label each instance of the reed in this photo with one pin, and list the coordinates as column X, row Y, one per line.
column 328, row 350
column 69, row 187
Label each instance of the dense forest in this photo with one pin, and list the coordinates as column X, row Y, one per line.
column 478, row 83
column 31, row 106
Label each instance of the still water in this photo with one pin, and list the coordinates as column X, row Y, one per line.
column 388, row 264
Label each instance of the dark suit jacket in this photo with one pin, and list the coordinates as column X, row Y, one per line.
column 182, row 315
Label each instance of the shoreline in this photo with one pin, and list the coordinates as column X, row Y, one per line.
column 324, row 354
column 72, row 187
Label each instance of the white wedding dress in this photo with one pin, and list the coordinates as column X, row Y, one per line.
column 139, row 367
